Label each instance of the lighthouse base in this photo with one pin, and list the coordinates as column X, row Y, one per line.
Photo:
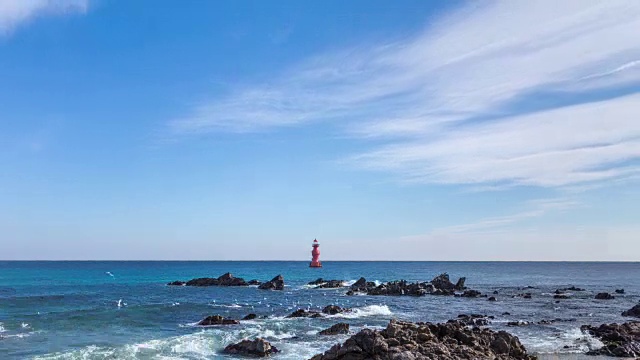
column 315, row 264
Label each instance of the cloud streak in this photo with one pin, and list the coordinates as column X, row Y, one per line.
column 464, row 101
column 14, row 13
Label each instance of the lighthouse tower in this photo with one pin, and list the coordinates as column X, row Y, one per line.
column 315, row 255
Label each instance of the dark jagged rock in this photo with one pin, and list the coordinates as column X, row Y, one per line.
column 256, row 348
column 407, row 341
column 620, row 340
column 492, row 298
column 224, row 280
column 334, row 309
column 619, row 291
column 177, row 283
column 254, row 282
column 327, row 284
column 440, row 285
column 277, row 283
column 250, row 317
column 604, row 296
column 471, row 293
column 300, row 313
column 473, row 320
column 633, row 312
column 337, row 329
column 559, row 291
column 518, row 323
column 217, row 320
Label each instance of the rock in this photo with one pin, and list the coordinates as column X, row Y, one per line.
column 619, row 340
column 418, row 341
column 633, row 312
column 471, row 293
column 492, row 298
column 304, row 313
column 524, row 296
column 258, row 347
column 250, row 317
column 334, row 309
column 224, row 280
column 473, row 320
column 506, row 313
column 495, row 292
column 560, row 296
column 254, row 282
column 318, row 281
column 177, row 283
column 619, row 291
column 217, row 320
column 460, row 284
column 572, row 288
column 604, row 296
column 337, row 329
column 277, row 283
column 518, row 323
column 440, row 285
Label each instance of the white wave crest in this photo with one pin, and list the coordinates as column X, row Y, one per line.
column 369, row 310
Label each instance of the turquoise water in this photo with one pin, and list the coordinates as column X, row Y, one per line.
column 69, row 310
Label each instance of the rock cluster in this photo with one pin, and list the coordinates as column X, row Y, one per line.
column 473, row 320
column 633, row 312
column 404, row 340
column 337, row 329
column 223, row 280
column 254, row 348
column 217, row 320
column 327, row 284
column 327, row 310
column 277, row 283
column 250, row 317
column 621, row 340
column 440, row 285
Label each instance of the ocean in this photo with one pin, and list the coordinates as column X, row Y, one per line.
column 125, row 310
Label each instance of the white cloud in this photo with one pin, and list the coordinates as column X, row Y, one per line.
column 16, row 12
column 426, row 95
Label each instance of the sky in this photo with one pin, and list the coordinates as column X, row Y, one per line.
column 242, row 130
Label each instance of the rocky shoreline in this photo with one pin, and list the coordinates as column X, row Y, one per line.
column 465, row 337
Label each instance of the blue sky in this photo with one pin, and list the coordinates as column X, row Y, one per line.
column 245, row 129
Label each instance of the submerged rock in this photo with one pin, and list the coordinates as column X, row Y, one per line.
column 337, row 329
column 250, row 317
column 177, row 283
column 560, row 296
column 277, row 283
column 223, row 280
column 217, row 320
column 257, row 347
column 254, row 282
column 327, row 284
column 604, row 296
column 621, row 340
column 405, row 340
column 304, row 313
column 633, row 312
column 619, row 291
column 334, row 309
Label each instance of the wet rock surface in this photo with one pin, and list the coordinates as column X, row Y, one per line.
column 223, row 280
column 440, row 285
column 337, row 329
column 633, row 312
column 405, row 340
column 334, row 309
column 620, row 340
column 217, row 320
column 321, row 283
column 277, row 283
column 252, row 348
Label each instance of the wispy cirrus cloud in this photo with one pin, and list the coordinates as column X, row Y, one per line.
column 510, row 93
column 13, row 13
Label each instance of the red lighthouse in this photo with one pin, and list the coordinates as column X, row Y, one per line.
column 315, row 255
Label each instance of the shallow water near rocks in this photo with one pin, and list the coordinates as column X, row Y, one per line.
column 124, row 310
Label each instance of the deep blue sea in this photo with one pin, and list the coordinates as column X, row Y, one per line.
column 125, row 310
